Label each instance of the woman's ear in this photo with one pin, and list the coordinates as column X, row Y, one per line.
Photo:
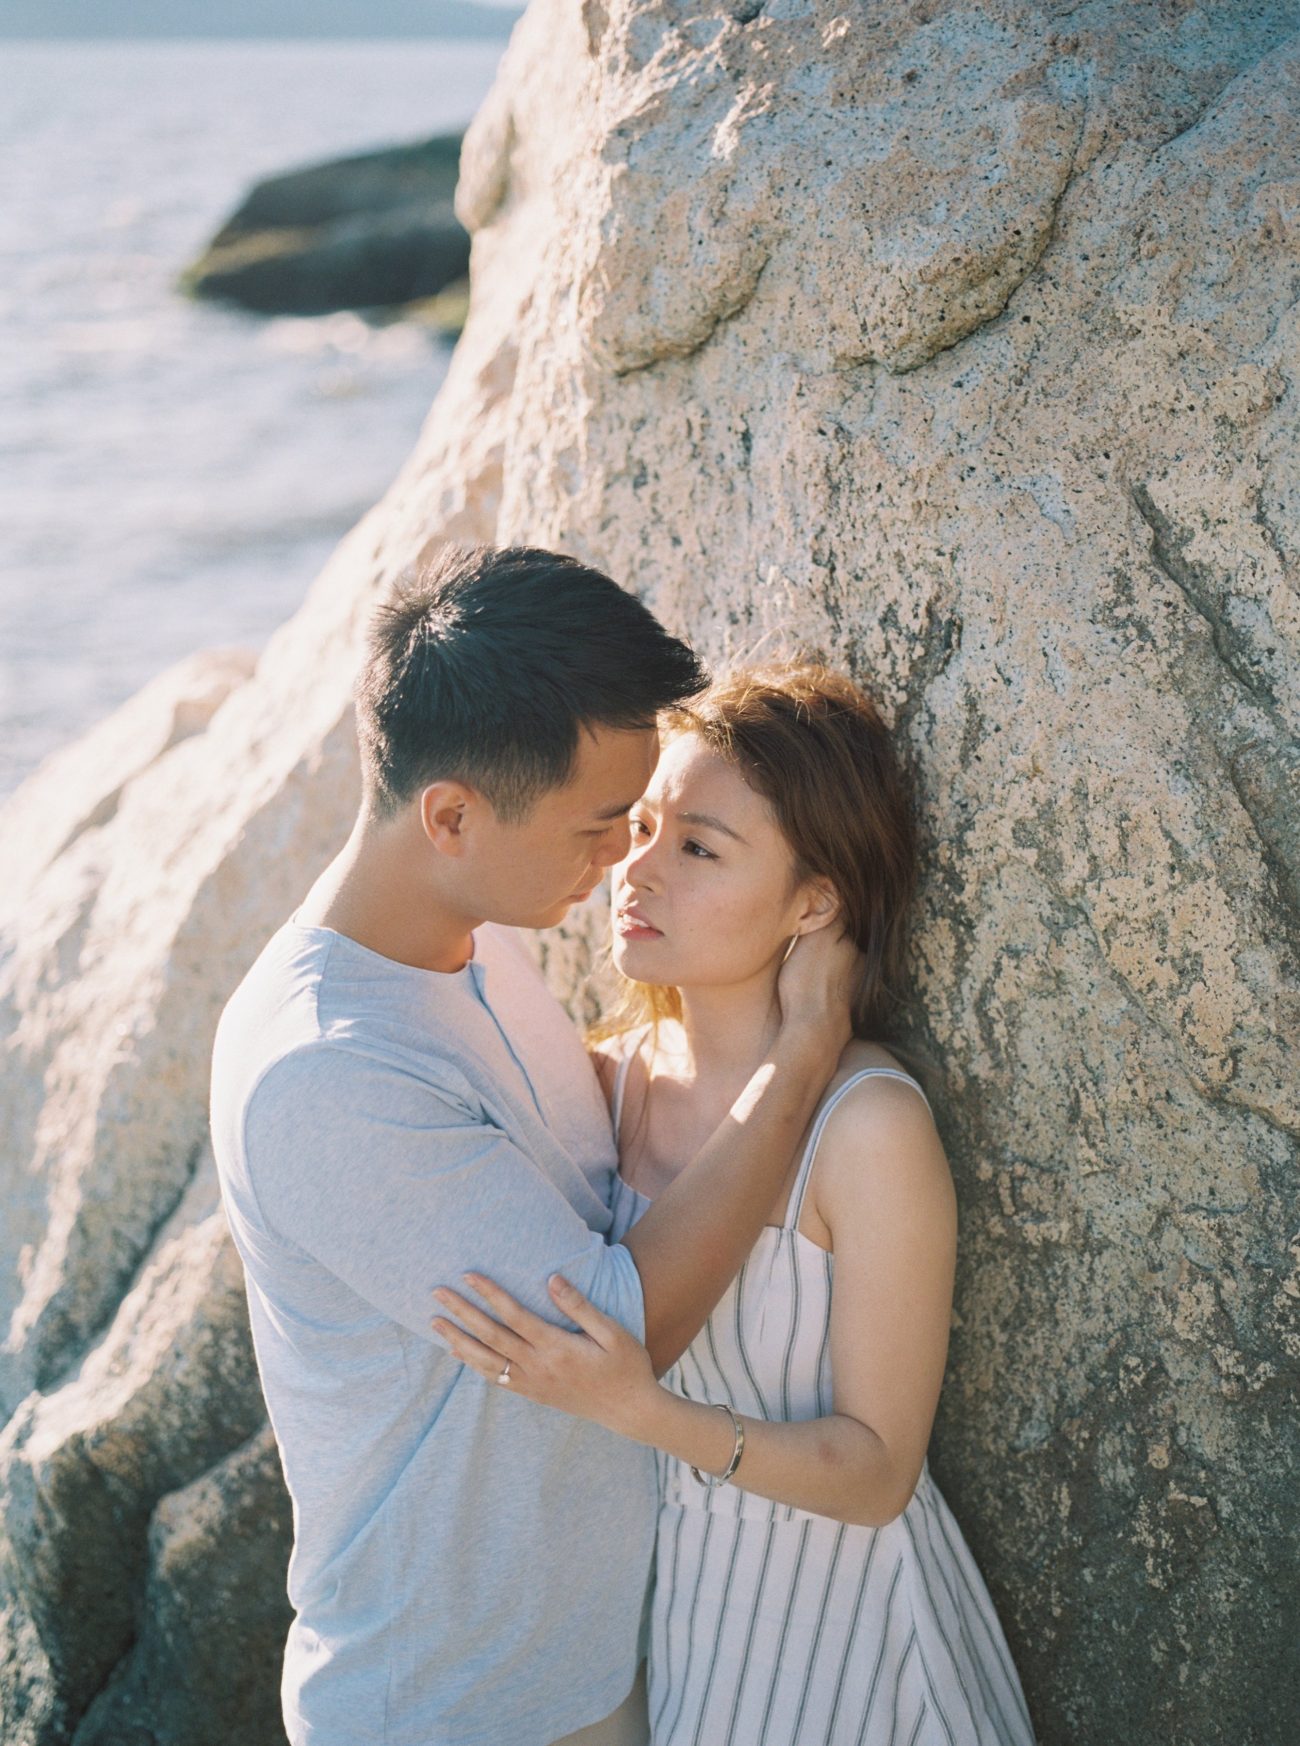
column 821, row 906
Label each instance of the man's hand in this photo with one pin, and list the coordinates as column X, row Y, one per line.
column 600, row 1373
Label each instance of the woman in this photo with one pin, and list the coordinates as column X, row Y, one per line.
column 812, row 1586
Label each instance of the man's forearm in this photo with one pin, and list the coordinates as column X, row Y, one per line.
column 691, row 1242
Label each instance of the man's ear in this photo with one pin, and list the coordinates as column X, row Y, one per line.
column 820, row 908
column 446, row 814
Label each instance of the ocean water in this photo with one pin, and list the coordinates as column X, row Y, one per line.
column 172, row 475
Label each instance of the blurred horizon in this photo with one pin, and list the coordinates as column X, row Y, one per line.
column 255, row 20
column 174, row 474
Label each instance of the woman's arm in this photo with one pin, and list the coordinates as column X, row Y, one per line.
column 883, row 1187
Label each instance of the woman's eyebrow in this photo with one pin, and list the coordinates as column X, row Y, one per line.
column 707, row 818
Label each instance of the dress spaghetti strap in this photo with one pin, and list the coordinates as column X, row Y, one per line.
column 632, row 1041
column 795, row 1208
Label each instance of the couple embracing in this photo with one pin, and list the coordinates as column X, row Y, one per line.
column 603, row 1376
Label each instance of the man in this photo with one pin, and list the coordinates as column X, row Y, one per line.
column 397, row 1098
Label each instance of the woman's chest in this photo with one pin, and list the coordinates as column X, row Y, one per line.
column 766, row 1347
column 657, row 1141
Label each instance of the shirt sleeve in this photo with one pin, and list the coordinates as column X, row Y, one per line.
column 397, row 1187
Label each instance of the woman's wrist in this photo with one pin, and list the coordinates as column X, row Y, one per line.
column 806, row 1041
column 647, row 1414
column 690, row 1430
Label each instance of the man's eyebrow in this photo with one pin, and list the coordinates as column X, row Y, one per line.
column 617, row 811
column 707, row 818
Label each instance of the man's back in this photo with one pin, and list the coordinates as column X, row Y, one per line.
column 467, row 1567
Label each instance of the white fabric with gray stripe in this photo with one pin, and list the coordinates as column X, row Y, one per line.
column 775, row 1627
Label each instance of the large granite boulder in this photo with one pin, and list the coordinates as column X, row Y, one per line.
column 956, row 340
column 374, row 230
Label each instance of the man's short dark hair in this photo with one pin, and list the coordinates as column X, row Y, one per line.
column 485, row 664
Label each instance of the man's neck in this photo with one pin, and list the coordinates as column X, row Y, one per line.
column 376, row 890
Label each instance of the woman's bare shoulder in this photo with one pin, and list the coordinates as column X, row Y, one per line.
column 879, row 1132
column 859, row 1054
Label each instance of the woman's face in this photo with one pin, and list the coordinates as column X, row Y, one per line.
column 705, row 896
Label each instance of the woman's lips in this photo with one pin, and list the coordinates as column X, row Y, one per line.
column 631, row 925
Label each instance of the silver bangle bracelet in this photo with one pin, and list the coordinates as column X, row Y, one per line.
column 711, row 1479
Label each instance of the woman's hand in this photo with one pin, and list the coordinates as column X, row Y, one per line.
column 817, row 985
column 600, row 1373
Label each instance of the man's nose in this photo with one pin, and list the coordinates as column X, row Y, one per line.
column 615, row 844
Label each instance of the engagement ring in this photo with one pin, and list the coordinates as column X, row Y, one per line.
column 504, row 1378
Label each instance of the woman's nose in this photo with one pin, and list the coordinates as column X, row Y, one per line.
column 639, row 868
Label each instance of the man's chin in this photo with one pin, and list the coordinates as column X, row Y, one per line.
column 552, row 917
column 554, row 912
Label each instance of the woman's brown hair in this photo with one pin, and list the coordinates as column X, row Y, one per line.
column 818, row 751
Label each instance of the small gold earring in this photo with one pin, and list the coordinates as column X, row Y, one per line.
column 794, row 941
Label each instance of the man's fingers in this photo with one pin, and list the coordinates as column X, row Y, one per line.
column 492, row 1334
column 579, row 1309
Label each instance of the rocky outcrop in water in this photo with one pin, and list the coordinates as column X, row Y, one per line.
column 960, row 341
column 375, row 230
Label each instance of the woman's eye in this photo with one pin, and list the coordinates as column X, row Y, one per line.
column 639, row 824
column 698, row 850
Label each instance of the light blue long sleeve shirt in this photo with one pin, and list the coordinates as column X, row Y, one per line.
column 468, row 1569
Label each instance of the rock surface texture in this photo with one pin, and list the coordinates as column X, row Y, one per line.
column 960, row 342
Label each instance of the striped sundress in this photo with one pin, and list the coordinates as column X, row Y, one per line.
column 771, row 1626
